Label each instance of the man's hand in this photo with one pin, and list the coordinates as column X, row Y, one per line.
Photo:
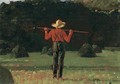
column 71, row 31
column 45, row 29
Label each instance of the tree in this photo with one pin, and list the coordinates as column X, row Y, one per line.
column 101, row 4
column 43, row 0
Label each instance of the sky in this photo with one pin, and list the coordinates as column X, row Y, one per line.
column 8, row 1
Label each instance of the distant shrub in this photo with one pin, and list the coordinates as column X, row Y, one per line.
column 19, row 51
column 44, row 50
column 86, row 50
column 97, row 49
column 50, row 52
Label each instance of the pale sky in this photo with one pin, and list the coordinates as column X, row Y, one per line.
column 8, row 1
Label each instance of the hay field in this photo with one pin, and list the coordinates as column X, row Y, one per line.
column 103, row 69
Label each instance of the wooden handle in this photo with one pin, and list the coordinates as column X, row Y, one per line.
column 77, row 31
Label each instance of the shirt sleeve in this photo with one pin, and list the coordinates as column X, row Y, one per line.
column 48, row 35
column 67, row 38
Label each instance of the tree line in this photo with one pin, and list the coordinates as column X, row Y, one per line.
column 17, row 20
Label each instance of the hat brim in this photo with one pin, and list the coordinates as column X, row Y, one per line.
column 58, row 26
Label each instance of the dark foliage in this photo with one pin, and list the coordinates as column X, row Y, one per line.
column 4, row 47
column 17, row 20
column 3, row 52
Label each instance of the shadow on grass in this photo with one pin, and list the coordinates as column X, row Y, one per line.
column 5, row 76
column 71, row 79
column 94, row 68
column 91, row 80
column 90, row 57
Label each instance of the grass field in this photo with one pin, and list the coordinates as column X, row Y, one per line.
column 103, row 69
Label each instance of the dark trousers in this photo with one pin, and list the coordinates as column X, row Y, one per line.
column 58, row 58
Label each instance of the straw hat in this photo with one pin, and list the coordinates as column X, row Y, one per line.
column 58, row 24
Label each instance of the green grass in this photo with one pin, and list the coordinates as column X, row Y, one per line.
column 103, row 69
column 72, row 59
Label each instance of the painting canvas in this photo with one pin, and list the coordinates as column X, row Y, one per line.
column 59, row 41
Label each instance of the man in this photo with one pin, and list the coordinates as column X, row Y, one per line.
column 58, row 37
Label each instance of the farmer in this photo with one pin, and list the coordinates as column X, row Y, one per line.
column 58, row 37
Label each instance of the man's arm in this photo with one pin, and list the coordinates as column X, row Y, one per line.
column 67, row 38
column 47, row 35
